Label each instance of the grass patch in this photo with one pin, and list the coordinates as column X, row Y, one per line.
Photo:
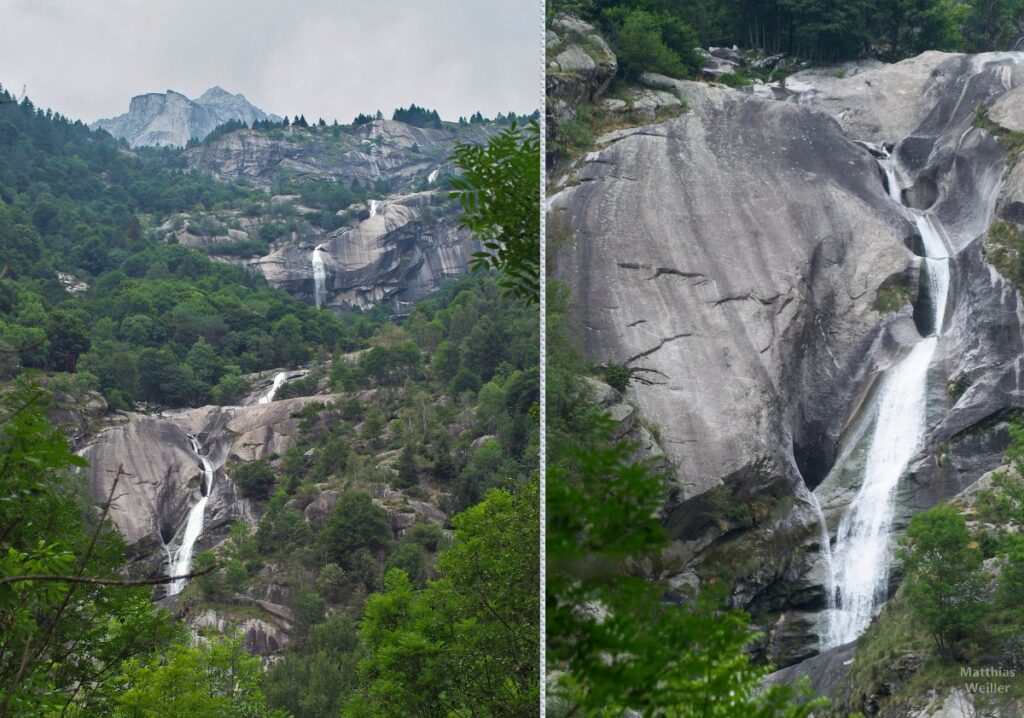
column 891, row 298
column 1004, row 250
column 1012, row 142
column 573, row 137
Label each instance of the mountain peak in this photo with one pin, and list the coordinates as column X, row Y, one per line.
column 174, row 119
column 216, row 91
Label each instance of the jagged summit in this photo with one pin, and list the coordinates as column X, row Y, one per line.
column 172, row 119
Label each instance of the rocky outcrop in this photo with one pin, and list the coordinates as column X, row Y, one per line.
column 394, row 250
column 396, row 255
column 265, row 636
column 581, row 65
column 162, row 472
column 402, row 155
column 171, row 119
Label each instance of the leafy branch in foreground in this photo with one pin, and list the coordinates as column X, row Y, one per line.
column 61, row 641
column 500, row 194
column 615, row 641
column 622, row 645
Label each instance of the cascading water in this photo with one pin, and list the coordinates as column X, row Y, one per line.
column 279, row 379
column 319, row 276
column 858, row 564
column 374, row 207
column 181, row 562
column 432, row 177
column 892, row 184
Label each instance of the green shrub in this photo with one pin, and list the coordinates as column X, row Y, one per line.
column 944, row 581
column 254, row 479
column 617, row 376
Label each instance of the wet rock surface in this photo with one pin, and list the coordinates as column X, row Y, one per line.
column 397, row 256
column 394, row 250
column 764, row 247
column 737, row 253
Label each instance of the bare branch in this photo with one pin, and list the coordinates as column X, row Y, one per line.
column 103, row 581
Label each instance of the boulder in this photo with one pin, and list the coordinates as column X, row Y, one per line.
column 730, row 54
column 1008, row 110
column 319, row 510
column 649, row 103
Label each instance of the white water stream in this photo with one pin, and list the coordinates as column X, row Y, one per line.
column 319, row 275
column 279, row 379
column 858, row 565
column 374, row 207
column 181, row 561
column 432, row 177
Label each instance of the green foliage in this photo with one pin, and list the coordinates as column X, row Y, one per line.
column 617, row 376
column 355, row 523
column 408, row 472
column 330, row 582
column 652, row 42
column 309, row 610
column 50, row 528
column 411, row 559
column 944, row 577
column 179, row 320
column 467, row 643
column 820, row 32
column 212, row 680
column 890, row 298
column 1004, row 248
column 612, row 640
column 417, row 116
column 313, row 681
column 255, row 479
column 499, row 192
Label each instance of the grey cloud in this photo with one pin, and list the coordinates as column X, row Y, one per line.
column 86, row 58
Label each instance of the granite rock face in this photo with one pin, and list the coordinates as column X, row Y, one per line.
column 162, row 472
column 398, row 255
column 706, row 250
column 393, row 251
column 401, row 154
column 171, row 119
column 735, row 254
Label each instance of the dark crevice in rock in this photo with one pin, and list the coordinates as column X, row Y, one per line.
column 655, row 348
column 743, row 297
column 924, row 307
column 675, row 272
column 814, row 454
column 922, row 194
column 660, row 271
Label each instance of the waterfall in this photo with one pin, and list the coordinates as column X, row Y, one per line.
column 182, row 560
column 892, row 183
column 319, row 276
column 936, row 265
column 858, row 565
column 279, row 379
column 374, row 207
column 432, row 177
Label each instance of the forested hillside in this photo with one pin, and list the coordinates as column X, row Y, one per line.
column 372, row 535
column 662, row 35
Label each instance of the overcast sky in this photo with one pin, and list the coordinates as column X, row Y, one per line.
column 330, row 58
